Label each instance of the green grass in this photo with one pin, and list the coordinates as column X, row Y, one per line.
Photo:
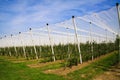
column 19, row 71
column 94, row 69
column 27, row 62
column 53, row 66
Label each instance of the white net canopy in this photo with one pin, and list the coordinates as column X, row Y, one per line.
column 98, row 27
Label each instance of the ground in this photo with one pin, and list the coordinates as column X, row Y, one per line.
column 112, row 74
column 63, row 71
column 21, row 69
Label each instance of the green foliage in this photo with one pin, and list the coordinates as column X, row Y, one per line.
column 68, row 52
column 96, row 68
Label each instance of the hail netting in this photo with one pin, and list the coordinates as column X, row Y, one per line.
column 56, row 40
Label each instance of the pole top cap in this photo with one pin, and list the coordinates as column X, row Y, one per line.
column 90, row 22
column 11, row 35
column 73, row 16
column 117, row 4
column 67, row 28
column 47, row 24
column 19, row 32
column 30, row 28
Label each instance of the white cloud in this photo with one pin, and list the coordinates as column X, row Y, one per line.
column 49, row 11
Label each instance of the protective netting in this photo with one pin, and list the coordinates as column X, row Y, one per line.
column 101, row 26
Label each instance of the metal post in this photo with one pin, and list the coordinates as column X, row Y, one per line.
column 117, row 6
column 14, row 46
column 91, row 41
column 50, row 42
column 75, row 29
column 22, row 45
column 8, row 47
column 33, row 43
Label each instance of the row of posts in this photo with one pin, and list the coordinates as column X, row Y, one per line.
column 76, row 36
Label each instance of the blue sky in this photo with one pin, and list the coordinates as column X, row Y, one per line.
column 20, row 15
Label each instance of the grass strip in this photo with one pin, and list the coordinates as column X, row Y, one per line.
column 95, row 68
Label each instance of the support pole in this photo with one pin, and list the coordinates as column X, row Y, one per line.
column 8, row 47
column 117, row 6
column 91, row 40
column 51, row 42
column 23, row 47
column 75, row 29
column 33, row 43
column 14, row 46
